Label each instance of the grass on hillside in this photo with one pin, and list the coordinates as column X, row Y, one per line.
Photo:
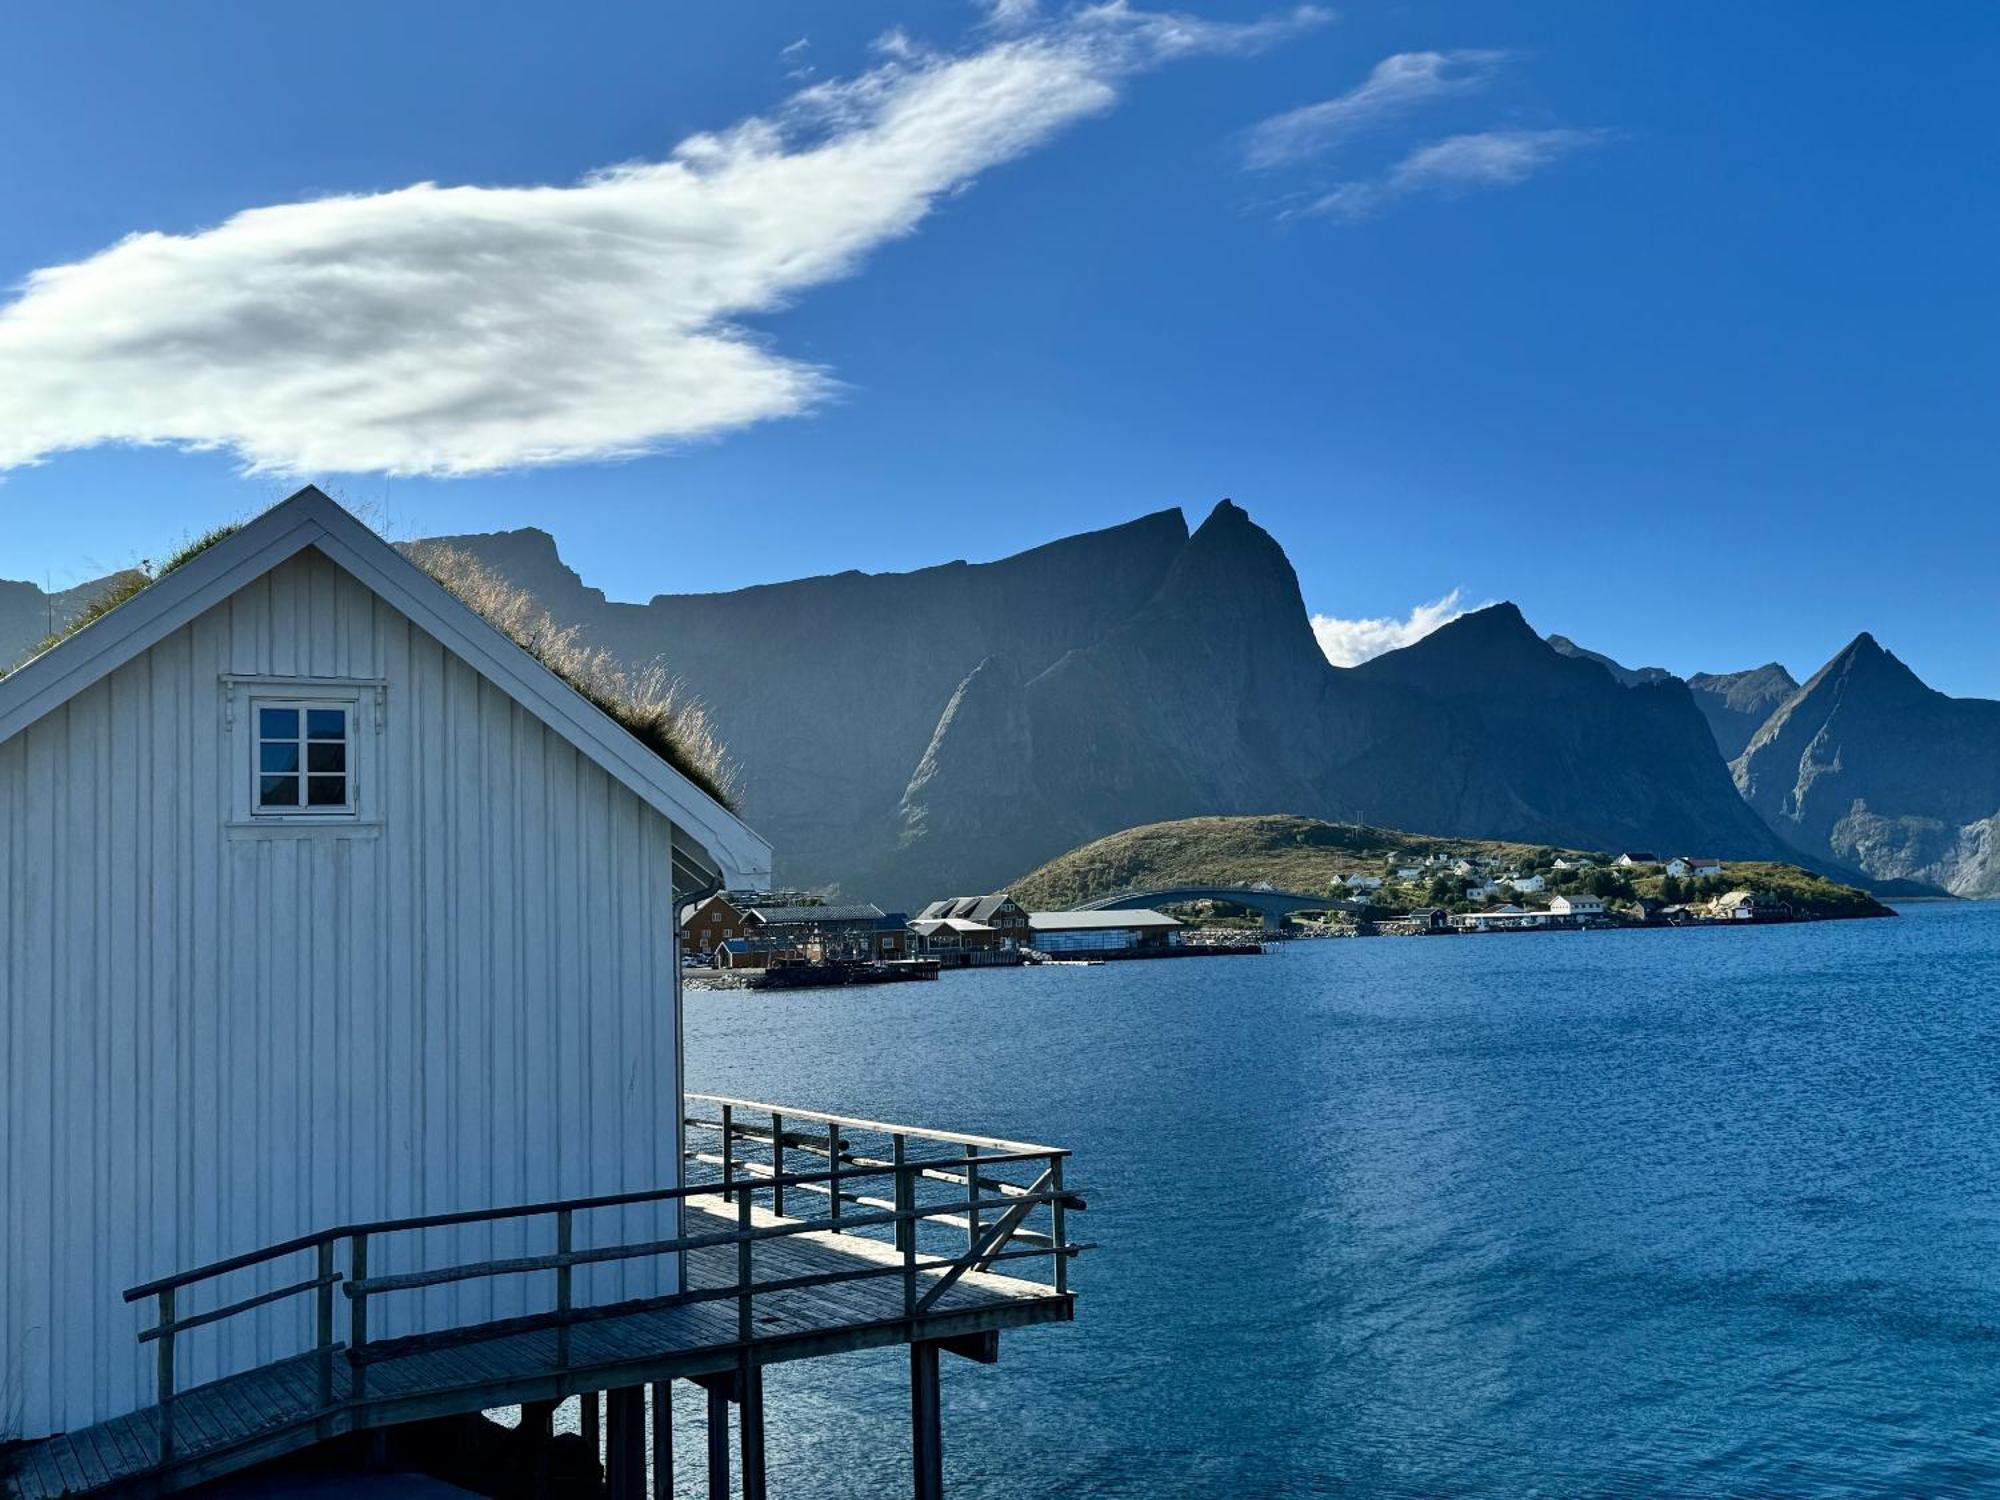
column 1291, row 853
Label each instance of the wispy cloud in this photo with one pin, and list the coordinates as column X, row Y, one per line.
column 1395, row 87
column 1348, row 643
column 1456, row 165
column 454, row 330
column 798, row 66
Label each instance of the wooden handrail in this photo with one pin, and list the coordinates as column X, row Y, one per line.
column 527, row 1264
column 878, row 1127
column 517, row 1211
column 987, row 1240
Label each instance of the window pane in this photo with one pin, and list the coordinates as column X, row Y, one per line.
column 321, row 755
column 326, row 723
column 278, row 756
column 278, row 791
column 278, row 723
column 327, row 791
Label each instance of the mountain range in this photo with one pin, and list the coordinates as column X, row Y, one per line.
column 946, row 729
column 904, row 735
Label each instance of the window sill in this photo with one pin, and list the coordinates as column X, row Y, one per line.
column 296, row 828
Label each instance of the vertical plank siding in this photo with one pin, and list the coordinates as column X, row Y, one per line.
column 213, row 1039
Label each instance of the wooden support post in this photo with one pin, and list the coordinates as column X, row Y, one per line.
column 538, row 1420
column 325, row 1318
column 625, row 1464
column 728, row 1150
column 906, row 1227
column 833, row 1167
column 166, row 1377
column 750, row 1429
column 745, row 1321
column 926, row 1424
column 589, row 1426
column 718, row 1441
column 564, row 1233
column 971, row 1201
column 357, row 1313
column 777, row 1163
column 663, row 1440
column 1059, row 1226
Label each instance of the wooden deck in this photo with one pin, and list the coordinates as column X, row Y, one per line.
column 815, row 1291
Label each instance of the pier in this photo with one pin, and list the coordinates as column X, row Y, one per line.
column 799, row 1234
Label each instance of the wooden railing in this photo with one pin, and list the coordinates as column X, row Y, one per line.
column 939, row 1185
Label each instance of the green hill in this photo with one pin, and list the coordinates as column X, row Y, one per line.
column 1307, row 855
column 1293, row 854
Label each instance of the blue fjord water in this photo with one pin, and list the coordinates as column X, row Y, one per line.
column 1651, row 1213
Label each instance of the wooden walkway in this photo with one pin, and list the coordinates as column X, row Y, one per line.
column 246, row 1419
column 761, row 1287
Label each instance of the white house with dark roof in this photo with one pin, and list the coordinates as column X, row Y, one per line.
column 321, row 902
column 1690, row 866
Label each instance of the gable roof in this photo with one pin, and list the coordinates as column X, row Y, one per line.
column 310, row 519
column 797, row 916
column 972, row 908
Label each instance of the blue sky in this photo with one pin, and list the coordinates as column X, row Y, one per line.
column 1673, row 324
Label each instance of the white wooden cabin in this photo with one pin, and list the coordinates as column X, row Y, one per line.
column 320, row 902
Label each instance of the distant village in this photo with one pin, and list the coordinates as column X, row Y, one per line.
column 774, row 939
column 1472, row 894
column 792, row 938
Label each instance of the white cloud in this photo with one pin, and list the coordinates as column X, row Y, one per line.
column 1348, row 643
column 454, row 330
column 1455, row 165
column 1394, row 87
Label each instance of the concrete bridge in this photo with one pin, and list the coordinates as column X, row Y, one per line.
column 1273, row 905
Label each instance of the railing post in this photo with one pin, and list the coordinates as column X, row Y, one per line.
column 778, row 1162
column 833, row 1166
column 743, row 1309
column 325, row 1324
column 357, row 1312
column 906, row 1226
column 728, row 1151
column 971, row 1200
column 166, row 1388
column 1057, row 1224
column 563, row 1231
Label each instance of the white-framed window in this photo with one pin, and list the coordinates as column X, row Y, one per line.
column 307, row 750
column 305, row 757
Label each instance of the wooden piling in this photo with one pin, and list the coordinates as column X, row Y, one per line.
column 750, row 1429
column 663, row 1440
column 926, row 1423
column 718, row 1441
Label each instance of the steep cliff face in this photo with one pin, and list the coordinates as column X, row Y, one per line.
column 1870, row 766
column 829, row 691
column 1737, row 704
column 1483, row 729
column 1206, row 699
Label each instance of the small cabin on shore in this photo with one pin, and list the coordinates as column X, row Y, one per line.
column 324, row 902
